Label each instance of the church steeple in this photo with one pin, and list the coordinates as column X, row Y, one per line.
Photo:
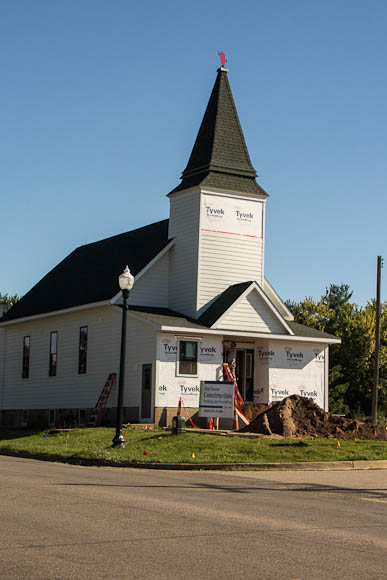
column 220, row 157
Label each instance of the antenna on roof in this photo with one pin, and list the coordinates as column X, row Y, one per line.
column 223, row 59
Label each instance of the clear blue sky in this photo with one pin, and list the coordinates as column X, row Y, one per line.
column 100, row 103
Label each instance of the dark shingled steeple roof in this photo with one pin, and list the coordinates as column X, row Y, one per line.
column 219, row 156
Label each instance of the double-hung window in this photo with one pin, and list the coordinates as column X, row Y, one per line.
column 188, row 357
column 26, row 357
column 53, row 353
column 82, row 358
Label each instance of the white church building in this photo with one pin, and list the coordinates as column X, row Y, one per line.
column 200, row 298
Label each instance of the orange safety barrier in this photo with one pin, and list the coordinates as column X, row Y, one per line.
column 239, row 402
column 186, row 412
column 236, row 420
column 210, row 423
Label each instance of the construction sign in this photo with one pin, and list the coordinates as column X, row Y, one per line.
column 216, row 399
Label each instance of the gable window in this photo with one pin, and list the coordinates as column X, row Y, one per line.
column 53, row 353
column 82, row 359
column 188, row 357
column 26, row 357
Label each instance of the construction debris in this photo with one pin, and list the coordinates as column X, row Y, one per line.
column 297, row 416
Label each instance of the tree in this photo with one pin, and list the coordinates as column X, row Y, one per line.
column 9, row 300
column 351, row 363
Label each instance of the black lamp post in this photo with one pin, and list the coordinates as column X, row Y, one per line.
column 126, row 282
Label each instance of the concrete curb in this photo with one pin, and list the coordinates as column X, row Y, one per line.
column 299, row 466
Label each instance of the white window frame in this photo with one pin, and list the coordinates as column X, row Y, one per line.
column 187, row 339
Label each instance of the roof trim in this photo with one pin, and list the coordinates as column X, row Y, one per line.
column 249, row 289
column 266, row 281
column 242, row 334
column 56, row 312
column 218, row 190
column 231, row 193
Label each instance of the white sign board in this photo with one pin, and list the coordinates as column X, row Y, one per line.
column 216, row 399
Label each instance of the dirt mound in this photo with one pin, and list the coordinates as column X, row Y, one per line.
column 252, row 410
column 297, row 416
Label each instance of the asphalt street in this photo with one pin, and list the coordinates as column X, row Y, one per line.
column 62, row 522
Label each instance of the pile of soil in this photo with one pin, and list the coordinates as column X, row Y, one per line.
column 252, row 410
column 297, row 416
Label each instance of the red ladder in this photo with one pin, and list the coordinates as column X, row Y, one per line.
column 238, row 400
column 102, row 400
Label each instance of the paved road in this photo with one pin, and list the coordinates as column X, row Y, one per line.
column 62, row 522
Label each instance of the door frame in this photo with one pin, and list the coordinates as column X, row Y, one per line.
column 152, row 409
column 242, row 388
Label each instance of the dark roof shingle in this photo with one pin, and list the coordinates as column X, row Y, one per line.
column 222, row 303
column 167, row 317
column 90, row 273
column 308, row 332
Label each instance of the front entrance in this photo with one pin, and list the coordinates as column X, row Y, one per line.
column 244, row 370
column 146, row 393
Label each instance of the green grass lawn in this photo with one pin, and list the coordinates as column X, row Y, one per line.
column 82, row 445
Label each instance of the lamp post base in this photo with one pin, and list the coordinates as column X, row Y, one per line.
column 119, row 440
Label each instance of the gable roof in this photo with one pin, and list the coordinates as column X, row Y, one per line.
column 309, row 332
column 230, row 296
column 166, row 317
column 220, row 157
column 222, row 303
column 90, row 273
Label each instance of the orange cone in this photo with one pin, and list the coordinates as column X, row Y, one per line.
column 236, row 420
column 210, row 423
column 179, row 408
column 338, row 443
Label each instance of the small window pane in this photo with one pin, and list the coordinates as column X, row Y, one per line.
column 26, row 357
column 82, row 360
column 53, row 353
column 188, row 357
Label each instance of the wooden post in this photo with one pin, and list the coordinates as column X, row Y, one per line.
column 377, row 343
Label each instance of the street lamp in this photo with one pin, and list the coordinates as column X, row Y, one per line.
column 126, row 282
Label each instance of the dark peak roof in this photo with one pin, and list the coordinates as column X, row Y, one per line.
column 90, row 273
column 223, row 303
column 219, row 156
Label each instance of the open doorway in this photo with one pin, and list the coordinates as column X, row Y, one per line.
column 244, row 358
column 146, row 393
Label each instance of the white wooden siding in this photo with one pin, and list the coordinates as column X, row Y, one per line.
column 184, row 227
column 152, row 288
column 252, row 314
column 68, row 389
column 226, row 260
column 230, row 254
column 140, row 349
